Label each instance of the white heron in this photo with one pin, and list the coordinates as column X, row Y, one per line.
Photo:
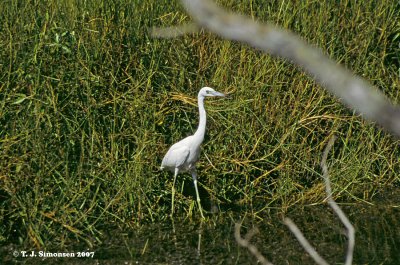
column 183, row 155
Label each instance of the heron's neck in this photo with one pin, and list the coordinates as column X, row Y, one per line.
column 199, row 134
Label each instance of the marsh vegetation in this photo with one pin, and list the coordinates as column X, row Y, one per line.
column 89, row 104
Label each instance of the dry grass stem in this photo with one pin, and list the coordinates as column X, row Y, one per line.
column 173, row 32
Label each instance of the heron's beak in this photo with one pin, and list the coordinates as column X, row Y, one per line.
column 218, row 94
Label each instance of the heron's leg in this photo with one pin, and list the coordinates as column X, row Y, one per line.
column 194, row 176
column 173, row 190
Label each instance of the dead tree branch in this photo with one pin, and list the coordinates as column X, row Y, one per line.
column 354, row 91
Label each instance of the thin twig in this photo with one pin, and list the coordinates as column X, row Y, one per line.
column 304, row 242
column 245, row 242
column 342, row 216
column 338, row 211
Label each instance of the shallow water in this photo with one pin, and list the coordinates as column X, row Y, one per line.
column 212, row 242
column 377, row 239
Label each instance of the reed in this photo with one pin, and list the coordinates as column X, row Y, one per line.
column 89, row 104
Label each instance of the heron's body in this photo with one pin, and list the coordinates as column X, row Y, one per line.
column 182, row 156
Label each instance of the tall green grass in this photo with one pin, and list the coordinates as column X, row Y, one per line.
column 89, row 105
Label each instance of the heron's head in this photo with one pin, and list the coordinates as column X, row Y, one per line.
column 209, row 92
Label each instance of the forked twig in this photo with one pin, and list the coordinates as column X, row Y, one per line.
column 245, row 242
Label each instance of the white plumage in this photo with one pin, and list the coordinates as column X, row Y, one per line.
column 183, row 155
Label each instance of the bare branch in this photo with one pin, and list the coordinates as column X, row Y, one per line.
column 354, row 91
column 335, row 207
column 338, row 211
column 245, row 242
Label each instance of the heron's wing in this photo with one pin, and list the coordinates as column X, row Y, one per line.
column 183, row 154
column 176, row 157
